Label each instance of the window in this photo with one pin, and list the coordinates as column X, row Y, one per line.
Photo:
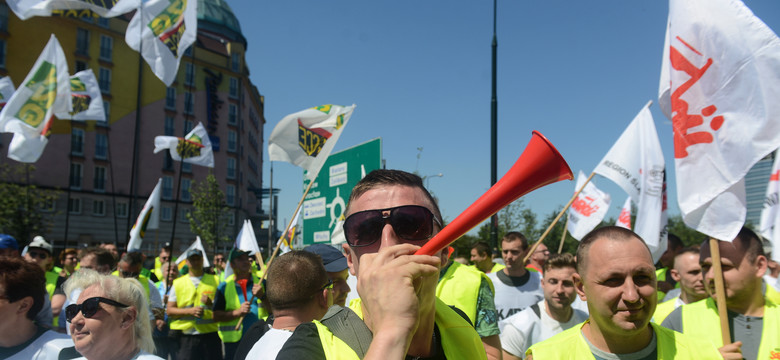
column 102, row 22
column 77, row 142
column 188, row 103
column 231, row 168
column 232, row 114
column 80, row 66
column 189, row 74
column 98, row 207
column 106, row 47
column 235, row 62
column 185, row 190
column 82, row 42
column 100, row 179
column 253, row 119
column 106, row 112
column 233, row 87
column 183, row 215
column 121, row 209
column 165, row 213
column 101, row 146
column 49, row 205
column 188, row 125
column 170, row 98
column 230, row 195
column 2, row 53
column 74, row 205
column 170, row 126
column 104, row 80
column 231, row 218
column 252, row 164
column 168, row 161
column 75, row 176
column 167, row 187
column 4, row 17
column 188, row 52
column 186, row 168
column 232, row 141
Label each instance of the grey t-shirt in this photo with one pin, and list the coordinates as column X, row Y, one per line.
column 649, row 352
column 746, row 329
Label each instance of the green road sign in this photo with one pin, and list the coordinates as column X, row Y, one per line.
column 324, row 206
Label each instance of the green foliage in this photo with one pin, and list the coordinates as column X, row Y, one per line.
column 687, row 235
column 21, row 204
column 209, row 216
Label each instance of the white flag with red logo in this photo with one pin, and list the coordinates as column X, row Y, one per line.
column 770, row 216
column 588, row 209
column 624, row 219
column 720, row 82
column 195, row 148
column 636, row 163
column 149, row 218
column 306, row 138
column 165, row 29
column 26, row 9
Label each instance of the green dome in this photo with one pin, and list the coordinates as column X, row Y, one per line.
column 216, row 16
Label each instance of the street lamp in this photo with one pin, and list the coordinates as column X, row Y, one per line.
column 428, row 177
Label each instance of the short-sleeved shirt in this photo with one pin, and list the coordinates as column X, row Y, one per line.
column 515, row 293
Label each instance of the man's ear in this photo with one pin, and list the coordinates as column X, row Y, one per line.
column 761, row 265
column 675, row 275
column 128, row 318
column 24, row 305
column 579, row 285
column 350, row 261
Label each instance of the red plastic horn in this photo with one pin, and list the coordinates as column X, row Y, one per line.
column 540, row 164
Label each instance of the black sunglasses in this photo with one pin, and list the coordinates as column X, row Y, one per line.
column 38, row 254
column 409, row 222
column 89, row 307
column 129, row 274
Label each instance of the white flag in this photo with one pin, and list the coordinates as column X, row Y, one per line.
column 6, row 90
column 588, row 209
column 624, row 219
column 770, row 216
column 28, row 112
column 721, row 79
column 26, row 9
column 636, row 163
column 197, row 245
column 165, row 29
column 195, row 148
column 149, row 218
column 306, row 138
column 86, row 99
column 247, row 241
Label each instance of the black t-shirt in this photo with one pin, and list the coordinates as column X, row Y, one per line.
column 58, row 289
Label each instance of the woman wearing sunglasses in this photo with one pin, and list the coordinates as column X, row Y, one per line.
column 104, row 321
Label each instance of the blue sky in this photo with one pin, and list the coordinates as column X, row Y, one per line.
column 420, row 74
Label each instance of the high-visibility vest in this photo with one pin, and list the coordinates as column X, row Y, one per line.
column 662, row 310
column 570, row 344
column 188, row 296
column 227, row 329
column 459, row 287
column 497, row 267
column 459, row 340
column 51, row 285
column 141, row 279
column 700, row 319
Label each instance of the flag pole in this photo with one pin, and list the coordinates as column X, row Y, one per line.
column 113, row 187
column 563, row 237
column 271, row 219
column 70, row 176
column 536, row 244
column 720, row 292
column 173, row 230
column 137, row 128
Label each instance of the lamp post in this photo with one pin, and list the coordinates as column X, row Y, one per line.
column 493, row 126
column 428, row 177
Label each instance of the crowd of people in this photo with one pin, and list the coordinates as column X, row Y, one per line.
column 607, row 301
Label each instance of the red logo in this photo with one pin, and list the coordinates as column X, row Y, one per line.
column 584, row 206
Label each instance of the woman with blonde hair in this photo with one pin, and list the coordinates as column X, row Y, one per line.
column 108, row 320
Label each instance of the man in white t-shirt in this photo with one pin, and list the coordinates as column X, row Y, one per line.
column 547, row 317
column 516, row 287
column 294, row 299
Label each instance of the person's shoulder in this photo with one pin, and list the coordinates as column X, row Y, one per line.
column 675, row 343
column 565, row 339
column 304, row 343
column 522, row 321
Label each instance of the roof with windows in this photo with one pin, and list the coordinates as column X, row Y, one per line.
column 216, row 16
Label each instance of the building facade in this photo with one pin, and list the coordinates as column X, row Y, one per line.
column 101, row 189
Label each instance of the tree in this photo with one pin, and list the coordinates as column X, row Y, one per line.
column 688, row 236
column 21, row 203
column 209, row 216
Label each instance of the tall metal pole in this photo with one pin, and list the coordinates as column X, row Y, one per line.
column 493, row 126
column 271, row 210
column 136, row 132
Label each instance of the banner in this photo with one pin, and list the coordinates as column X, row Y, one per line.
column 26, row 9
column 636, row 163
column 307, row 138
column 165, row 29
column 624, row 219
column 770, row 216
column 720, row 81
column 195, row 148
column 588, row 209
column 86, row 99
column 149, row 218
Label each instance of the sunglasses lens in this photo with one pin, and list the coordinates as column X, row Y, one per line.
column 412, row 223
column 88, row 308
column 71, row 311
column 409, row 222
column 364, row 228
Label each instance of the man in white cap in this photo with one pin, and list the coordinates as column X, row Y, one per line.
column 39, row 252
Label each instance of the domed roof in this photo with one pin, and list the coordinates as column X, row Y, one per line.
column 216, row 16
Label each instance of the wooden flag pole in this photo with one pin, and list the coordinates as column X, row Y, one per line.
column 563, row 237
column 720, row 292
column 555, row 221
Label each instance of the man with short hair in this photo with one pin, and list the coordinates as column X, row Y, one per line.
column 111, row 247
column 189, row 309
column 538, row 258
column 336, row 266
column 22, row 292
column 299, row 291
column 686, row 271
column 754, row 321
column 516, row 287
column 615, row 274
column 389, row 216
column 39, row 252
column 93, row 258
column 130, row 266
column 548, row 317
column 163, row 257
column 482, row 259
column 665, row 282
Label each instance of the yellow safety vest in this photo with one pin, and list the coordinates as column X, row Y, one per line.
column 772, row 294
column 700, row 319
column 459, row 287
column 141, row 279
column 188, row 296
column 458, row 339
column 226, row 329
column 662, row 310
column 570, row 344
column 51, row 285
column 497, row 267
